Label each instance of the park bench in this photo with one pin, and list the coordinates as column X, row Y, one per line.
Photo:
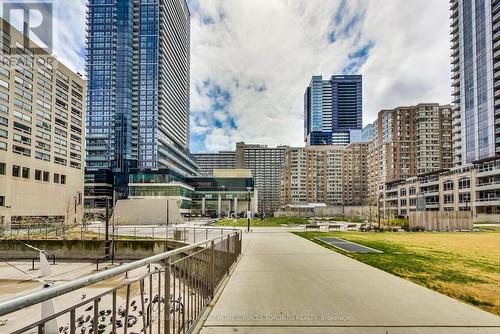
column 334, row 227
column 312, row 227
column 351, row 226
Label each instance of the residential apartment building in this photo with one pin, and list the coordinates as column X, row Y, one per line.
column 207, row 162
column 475, row 60
column 355, row 173
column 333, row 110
column 42, row 105
column 472, row 188
column 265, row 163
column 408, row 141
column 138, row 65
column 330, row 174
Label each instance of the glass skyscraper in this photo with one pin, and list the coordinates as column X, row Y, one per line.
column 138, row 59
column 333, row 110
column 475, row 58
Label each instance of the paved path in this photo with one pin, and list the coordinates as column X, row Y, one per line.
column 287, row 284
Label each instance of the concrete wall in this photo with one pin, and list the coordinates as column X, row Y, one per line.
column 441, row 220
column 364, row 212
column 85, row 249
column 147, row 212
column 486, row 218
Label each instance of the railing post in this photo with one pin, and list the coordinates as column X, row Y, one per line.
column 113, row 311
column 72, row 321
column 228, row 257
column 212, row 268
column 166, row 310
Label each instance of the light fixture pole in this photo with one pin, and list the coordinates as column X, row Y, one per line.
column 248, row 212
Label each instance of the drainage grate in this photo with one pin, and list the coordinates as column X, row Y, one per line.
column 348, row 246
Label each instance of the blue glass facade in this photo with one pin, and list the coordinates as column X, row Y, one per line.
column 138, row 86
column 138, row 80
column 332, row 109
column 347, row 102
column 148, row 84
column 474, row 60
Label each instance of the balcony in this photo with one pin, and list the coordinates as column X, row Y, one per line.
column 491, row 201
column 493, row 170
column 432, row 205
column 492, row 185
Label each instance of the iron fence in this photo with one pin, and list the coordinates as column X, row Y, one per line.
column 186, row 234
column 168, row 297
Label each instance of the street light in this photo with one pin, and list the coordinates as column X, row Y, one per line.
column 248, row 212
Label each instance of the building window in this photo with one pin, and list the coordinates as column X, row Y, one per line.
column 38, row 175
column 16, row 171
column 26, row 173
column 464, row 198
column 464, row 183
column 448, row 185
column 46, row 176
column 413, row 191
column 63, row 179
column 2, row 168
column 2, row 200
column 448, row 199
column 56, row 178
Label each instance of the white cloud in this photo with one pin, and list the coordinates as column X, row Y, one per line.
column 264, row 52
column 279, row 44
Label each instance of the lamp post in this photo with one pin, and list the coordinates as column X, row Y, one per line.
column 248, row 212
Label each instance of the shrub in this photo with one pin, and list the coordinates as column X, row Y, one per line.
column 417, row 229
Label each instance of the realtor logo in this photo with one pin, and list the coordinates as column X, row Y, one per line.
column 36, row 19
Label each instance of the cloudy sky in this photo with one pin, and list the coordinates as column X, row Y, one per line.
column 252, row 59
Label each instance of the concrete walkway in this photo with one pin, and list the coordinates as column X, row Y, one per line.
column 287, row 284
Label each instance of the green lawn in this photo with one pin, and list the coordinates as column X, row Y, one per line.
column 255, row 222
column 465, row 266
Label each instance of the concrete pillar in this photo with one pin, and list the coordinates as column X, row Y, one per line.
column 219, row 205
column 203, row 205
column 235, row 205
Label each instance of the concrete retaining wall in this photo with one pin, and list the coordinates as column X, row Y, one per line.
column 441, row 220
column 85, row 249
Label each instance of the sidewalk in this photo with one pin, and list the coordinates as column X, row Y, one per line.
column 287, row 284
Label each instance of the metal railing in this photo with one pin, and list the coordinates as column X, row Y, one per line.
column 188, row 234
column 185, row 234
column 168, row 297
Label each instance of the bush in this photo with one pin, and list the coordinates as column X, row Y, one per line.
column 397, row 221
